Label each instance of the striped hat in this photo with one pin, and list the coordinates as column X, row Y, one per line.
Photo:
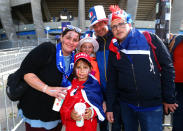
column 118, row 13
column 97, row 14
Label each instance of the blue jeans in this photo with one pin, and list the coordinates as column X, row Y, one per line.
column 148, row 120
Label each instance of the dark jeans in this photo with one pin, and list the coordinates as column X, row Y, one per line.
column 104, row 125
column 148, row 120
column 116, row 125
column 178, row 114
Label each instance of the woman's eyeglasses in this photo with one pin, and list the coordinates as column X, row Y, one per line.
column 120, row 25
column 71, row 27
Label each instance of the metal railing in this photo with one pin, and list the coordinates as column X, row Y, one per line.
column 10, row 60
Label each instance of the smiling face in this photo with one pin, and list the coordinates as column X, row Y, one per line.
column 100, row 28
column 69, row 42
column 120, row 29
column 87, row 47
column 82, row 70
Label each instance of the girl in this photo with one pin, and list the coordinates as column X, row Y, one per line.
column 90, row 46
column 86, row 90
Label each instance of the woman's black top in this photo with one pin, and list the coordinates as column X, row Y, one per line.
column 42, row 62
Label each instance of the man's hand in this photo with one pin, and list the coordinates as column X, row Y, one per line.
column 110, row 117
column 169, row 107
column 75, row 116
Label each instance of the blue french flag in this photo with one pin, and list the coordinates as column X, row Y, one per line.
column 92, row 15
column 92, row 94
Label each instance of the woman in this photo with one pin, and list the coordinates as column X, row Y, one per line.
column 47, row 70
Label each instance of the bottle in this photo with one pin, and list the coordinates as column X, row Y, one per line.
column 58, row 102
column 80, row 109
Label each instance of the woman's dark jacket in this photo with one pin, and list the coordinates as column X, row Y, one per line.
column 42, row 62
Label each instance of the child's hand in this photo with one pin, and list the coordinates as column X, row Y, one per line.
column 104, row 106
column 75, row 116
column 88, row 113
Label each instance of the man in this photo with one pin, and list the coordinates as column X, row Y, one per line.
column 135, row 75
column 176, row 50
column 104, row 35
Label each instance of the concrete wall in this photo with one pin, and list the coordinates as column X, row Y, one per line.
column 18, row 2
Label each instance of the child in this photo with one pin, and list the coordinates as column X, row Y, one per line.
column 86, row 90
column 90, row 46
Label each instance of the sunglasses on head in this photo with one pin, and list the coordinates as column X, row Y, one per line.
column 71, row 27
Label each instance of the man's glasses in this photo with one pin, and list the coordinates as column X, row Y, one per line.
column 120, row 25
column 71, row 27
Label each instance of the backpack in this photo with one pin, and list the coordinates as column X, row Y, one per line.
column 16, row 86
column 172, row 42
column 153, row 47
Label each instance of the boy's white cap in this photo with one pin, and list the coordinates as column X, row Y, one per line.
column 90, row 40
column 97, row 14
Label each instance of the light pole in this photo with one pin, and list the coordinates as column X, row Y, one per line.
column 163, row 15
column 47, row 35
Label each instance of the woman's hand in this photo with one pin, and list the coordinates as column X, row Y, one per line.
column 36, row 83
column 57, row 92
column 75, row 116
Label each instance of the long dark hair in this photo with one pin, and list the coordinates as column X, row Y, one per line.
column 83, row 60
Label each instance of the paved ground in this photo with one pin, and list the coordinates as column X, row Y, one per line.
column 168, row 121
column 22, row 128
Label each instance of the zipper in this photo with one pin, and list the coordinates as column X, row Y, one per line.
column 135, row 81
column 105, row 59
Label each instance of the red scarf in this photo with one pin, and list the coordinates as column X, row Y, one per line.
column 114, row 49
column 77, row 84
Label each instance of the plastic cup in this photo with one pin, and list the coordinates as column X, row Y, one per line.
column 80, row 109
